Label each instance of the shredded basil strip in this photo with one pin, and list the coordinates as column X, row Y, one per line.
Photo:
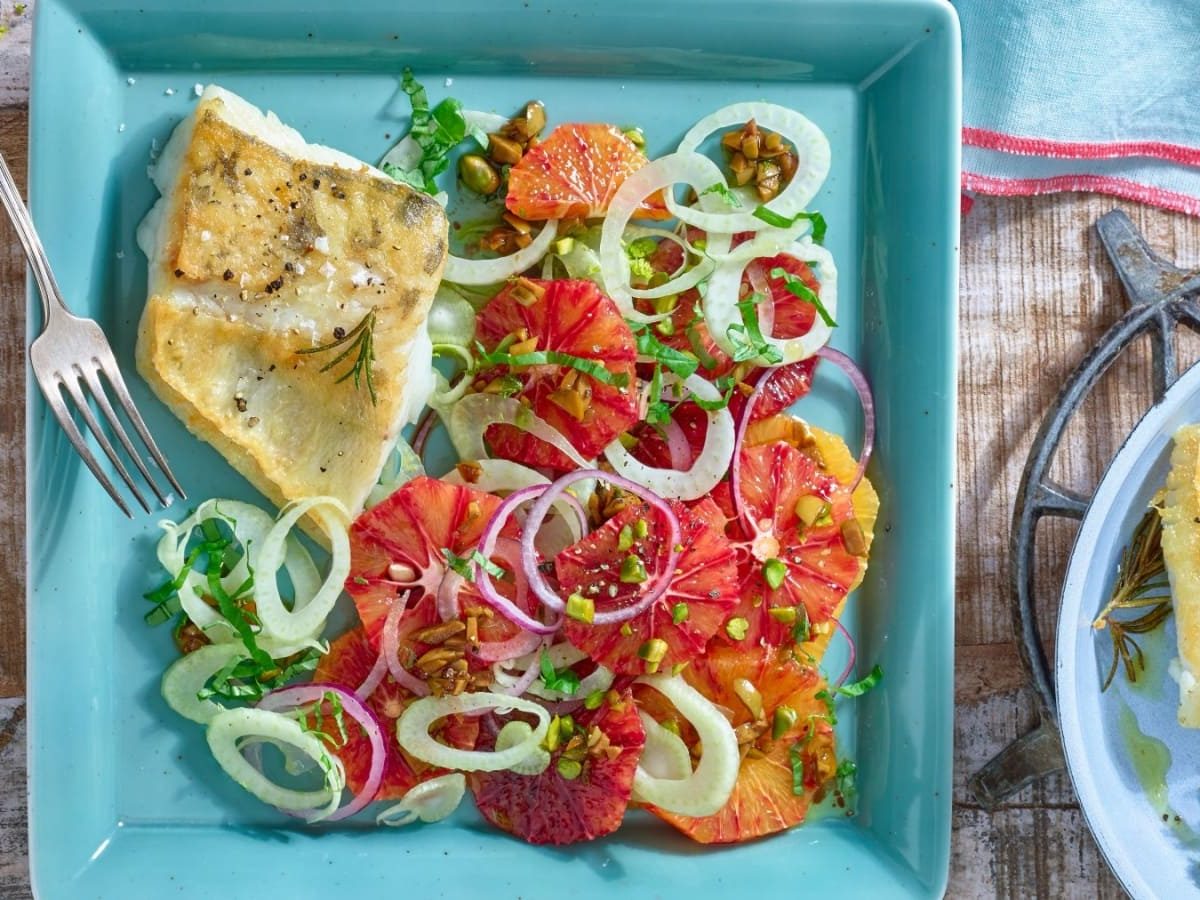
column 246, row 679
column 436, row 131
column 846, row 771
column 796, row 286
column 565, row 682
column 678, row 362
column 747, row 338
column 462, row 564
column 860, row 687
column 797, row 762
column 590, row 367
column 773, row 218
column 723, row 191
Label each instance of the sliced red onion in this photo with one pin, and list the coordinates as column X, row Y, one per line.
column 523, row 642
column 487, row 547
column 859, row 380
column 391, row 649
column 735, row 474
column 424, row 428
column 291, row 697
column 537, row 515
column 448, row 607
column 521, row 685
column 374, row 678
column 853, row 655
column 677, row 445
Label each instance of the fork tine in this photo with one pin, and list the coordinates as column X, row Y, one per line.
column 101, row 397
column 108, row 365
column 55, row 401
column 72, row 387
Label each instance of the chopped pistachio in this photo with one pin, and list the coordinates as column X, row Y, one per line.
column 679, row 613
column 749, row 695
column 569, row 769
column 678, row 667
column 553, row 735
column 566, row 726
column 635, row 135
column 641, row 528
column 633, row 570
column 593, row 700
column 628, row 441
column 625, row 538
column 774, row 572
column 737, row 627
column 809, row 508
column 784, row 719
column 854, row 538
column 563, row 246
column 784, row 615
column 653, row 652
column 581, row 608
column 626, row 629
column 672, row 726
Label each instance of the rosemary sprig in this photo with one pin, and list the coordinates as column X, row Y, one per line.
column 1142, row 585
column 360, row 341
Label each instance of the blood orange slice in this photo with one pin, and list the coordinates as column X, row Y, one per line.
column 584, row 791
column 574, row 319
column 348, row 663
column 677, row 626
column 574, row 174
column 780, row 776
column 794, row 562
column 397, row 548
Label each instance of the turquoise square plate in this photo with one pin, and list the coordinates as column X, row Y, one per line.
column 125, row 800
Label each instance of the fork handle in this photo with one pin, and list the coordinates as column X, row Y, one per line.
column 10, row 199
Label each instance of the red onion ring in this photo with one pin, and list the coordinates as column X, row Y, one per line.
column 530, row 675
column 859, row 380
column 677, row 446
column 292, row 697
column 760, row 286
column 538, row 514
column 735, row 475
column 391, row 650
column 487, row 546
column 447, row 595
column 424, row 429
column 523, row 642
column 853, row 655
column 373, row 679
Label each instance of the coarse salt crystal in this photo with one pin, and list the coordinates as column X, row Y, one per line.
column 198, row 89
column 131, row 81
column 321, row 244
column 326, row 269
column 449, row 81
column 170, row 92
column 206, row 235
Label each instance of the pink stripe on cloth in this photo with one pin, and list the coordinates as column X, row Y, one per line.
column 1028, row 146
column 1103, row 184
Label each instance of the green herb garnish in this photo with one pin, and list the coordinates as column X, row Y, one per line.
column 565, row 681
column 846, row 771
column 775, row 219
column 721, row 189
column 590, row 367
column 360, row 342
column 677, row 362
column 1141, row 584
column 797, row 763
column 864, row 684
column 747, row 338
column 463, row 564
column 436, row 131
column 797, row 288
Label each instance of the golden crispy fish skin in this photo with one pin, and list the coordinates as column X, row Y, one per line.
column 1181, row 551
column 261, row 247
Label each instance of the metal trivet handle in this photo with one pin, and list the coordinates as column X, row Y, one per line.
column 1161, row 297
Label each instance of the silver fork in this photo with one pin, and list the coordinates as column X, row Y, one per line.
column 70, row 355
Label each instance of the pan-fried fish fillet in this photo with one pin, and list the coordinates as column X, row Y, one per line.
column 261, row 246
column 1181, row 550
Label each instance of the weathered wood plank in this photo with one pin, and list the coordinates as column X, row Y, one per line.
column 14, row 844
column 13, row 127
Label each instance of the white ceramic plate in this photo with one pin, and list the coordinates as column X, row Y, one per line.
column 1113, row 768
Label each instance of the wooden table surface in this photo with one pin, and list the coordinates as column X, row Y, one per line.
column 1036, row 292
